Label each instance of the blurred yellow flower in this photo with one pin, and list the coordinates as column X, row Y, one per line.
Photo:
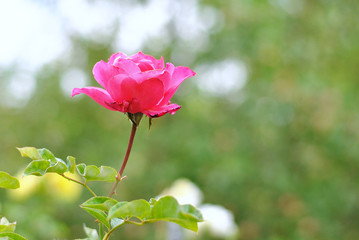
column 62, row 189
column 59, row 188
column 28, row 185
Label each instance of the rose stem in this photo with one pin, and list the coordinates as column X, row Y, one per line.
column 129, row 147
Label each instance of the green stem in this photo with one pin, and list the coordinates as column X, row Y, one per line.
column 100, row 229
column 78, row 182
column 127, row 155
column 136, row 223
column 90, row 190
column 107, row 236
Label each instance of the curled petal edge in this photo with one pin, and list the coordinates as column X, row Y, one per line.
column 99, row 95
column 160, row 111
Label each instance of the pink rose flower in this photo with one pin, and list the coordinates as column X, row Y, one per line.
column 136, row 84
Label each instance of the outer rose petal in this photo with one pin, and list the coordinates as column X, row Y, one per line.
column 151, row 92
column 140, row 96
column 167, row 96
column 103, row 72
column 160, row 111
column 116, row 55
column 143, row 95
column 98, row 94
column 115, row 89
column 179, row 75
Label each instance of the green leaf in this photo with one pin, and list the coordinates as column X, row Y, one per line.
column 116, row 221
column 98, row 206
column 101, row 203
column 91, row 234
column 168, row 209
column 58, row 166
column 152, row 201
column 191, row 212
column 93, row 173
column 12, row 236
column 107, row 174
column 98, row 214
column 81, row 169
column 139, row 209
column 30, row 152
column 6, row 226
column 46, row 154
column 43, row 161
column 71, row 164
column 164, row 209
column 7, row 181
column 41, row 167
column 37, row 168
column 104, row 173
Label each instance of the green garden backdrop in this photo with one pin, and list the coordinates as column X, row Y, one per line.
column 269, row 126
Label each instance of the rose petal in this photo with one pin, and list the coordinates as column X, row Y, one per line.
column 140, row 95
column 115, row 87
column 162, row 75
column 126, row 65
column 103, row 72
column 170, row 68
column 145, row 66
column 122, row 107
column 148, row 93
column 179, row 75
column 160, row 111
column 135, row 106
column 160, row 64
column 151, row 92
column 157, row 64
column 115, row 56
column 167, row 97
column 98, row 94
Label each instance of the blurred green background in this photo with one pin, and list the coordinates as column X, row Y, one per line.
column 268, row 128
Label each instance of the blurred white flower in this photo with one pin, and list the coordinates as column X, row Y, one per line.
column 18, row 89
column 221, row 78
column 218, row 221
column 73, row 78
column 140, row 22
column 185, row 192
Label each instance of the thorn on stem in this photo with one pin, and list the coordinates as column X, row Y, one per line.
column 123, row 178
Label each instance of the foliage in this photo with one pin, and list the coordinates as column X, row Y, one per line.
column 108, row 211
column 114, row 214
column 43, row 161
column 7, row 230
column 7, row 181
